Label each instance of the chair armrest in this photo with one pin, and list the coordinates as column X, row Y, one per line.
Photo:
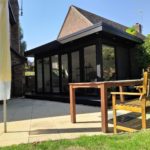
column 126, row 93
column 139, row 87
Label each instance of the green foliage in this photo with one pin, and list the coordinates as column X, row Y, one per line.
column 23, row 44
column 29, row 69
column 143, row 54
column 146, row 44
column 131, row 30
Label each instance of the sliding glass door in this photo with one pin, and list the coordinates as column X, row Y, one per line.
column 39, row 76
column 109, row 68
column 55, row 74
column 46, row 75
column 75, row 66
column 64, row 73
column 90, row 71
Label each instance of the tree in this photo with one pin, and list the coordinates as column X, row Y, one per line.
column 23, row 44
column 131, row 30
column 143, row 54
column 146, row 44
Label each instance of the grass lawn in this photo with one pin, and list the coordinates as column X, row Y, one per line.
column 131, row 141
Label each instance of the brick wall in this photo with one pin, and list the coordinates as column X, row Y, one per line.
column 74, row 22
column 18, row 76
column 14, row 36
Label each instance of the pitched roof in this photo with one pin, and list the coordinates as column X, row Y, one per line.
column 97, row 28
column 99, row 24
column 93, row 18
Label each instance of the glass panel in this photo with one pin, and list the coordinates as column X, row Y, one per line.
column 75, row 67
column 39, row 76
column 90, row 63
column 55, row 73
column 108, row 53
column 64, row 67
column 46, row 75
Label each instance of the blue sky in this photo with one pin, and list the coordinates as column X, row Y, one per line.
column 42, row 19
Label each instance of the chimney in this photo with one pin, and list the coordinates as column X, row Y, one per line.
column 138, row 27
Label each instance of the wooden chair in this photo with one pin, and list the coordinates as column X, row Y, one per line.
column 138, row 105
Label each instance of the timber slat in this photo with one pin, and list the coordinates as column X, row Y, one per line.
column 125, row 128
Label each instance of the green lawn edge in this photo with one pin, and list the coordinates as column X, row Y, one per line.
column 129, row 141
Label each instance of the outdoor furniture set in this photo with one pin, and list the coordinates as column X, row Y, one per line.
column 138, row 105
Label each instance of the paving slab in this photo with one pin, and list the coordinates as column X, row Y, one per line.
column 34, row 120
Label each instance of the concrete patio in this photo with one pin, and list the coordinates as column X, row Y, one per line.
column 35, row 120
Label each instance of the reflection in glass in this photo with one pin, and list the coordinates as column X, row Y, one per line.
column 75, row 67
column 39, row 75
column 55, row 73
column 108, row 53
column 46, row 75
column 64, row 67
column 90, row 63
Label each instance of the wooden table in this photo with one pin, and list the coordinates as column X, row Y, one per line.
column 103, row 96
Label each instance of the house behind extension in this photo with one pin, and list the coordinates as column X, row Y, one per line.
column 17, row 58
column 88, row 48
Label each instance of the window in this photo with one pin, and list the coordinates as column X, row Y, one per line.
column 64, row 67
column 39, row 76
column 55, row 73
column 90, row 63
column 46, row 75
column 108, row 53
column 75, row 67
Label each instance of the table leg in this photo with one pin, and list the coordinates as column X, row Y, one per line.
column 121, row 96
column 72, row 105
column 104, row 113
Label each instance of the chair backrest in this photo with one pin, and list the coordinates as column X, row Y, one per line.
column 146, row 83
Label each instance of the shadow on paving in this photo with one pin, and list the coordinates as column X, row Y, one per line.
column 67, row 130
column 23, row 109
column 131, row 120
column 84, row 100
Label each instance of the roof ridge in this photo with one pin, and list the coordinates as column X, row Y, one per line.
column 94, row 18
column 83, row 10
